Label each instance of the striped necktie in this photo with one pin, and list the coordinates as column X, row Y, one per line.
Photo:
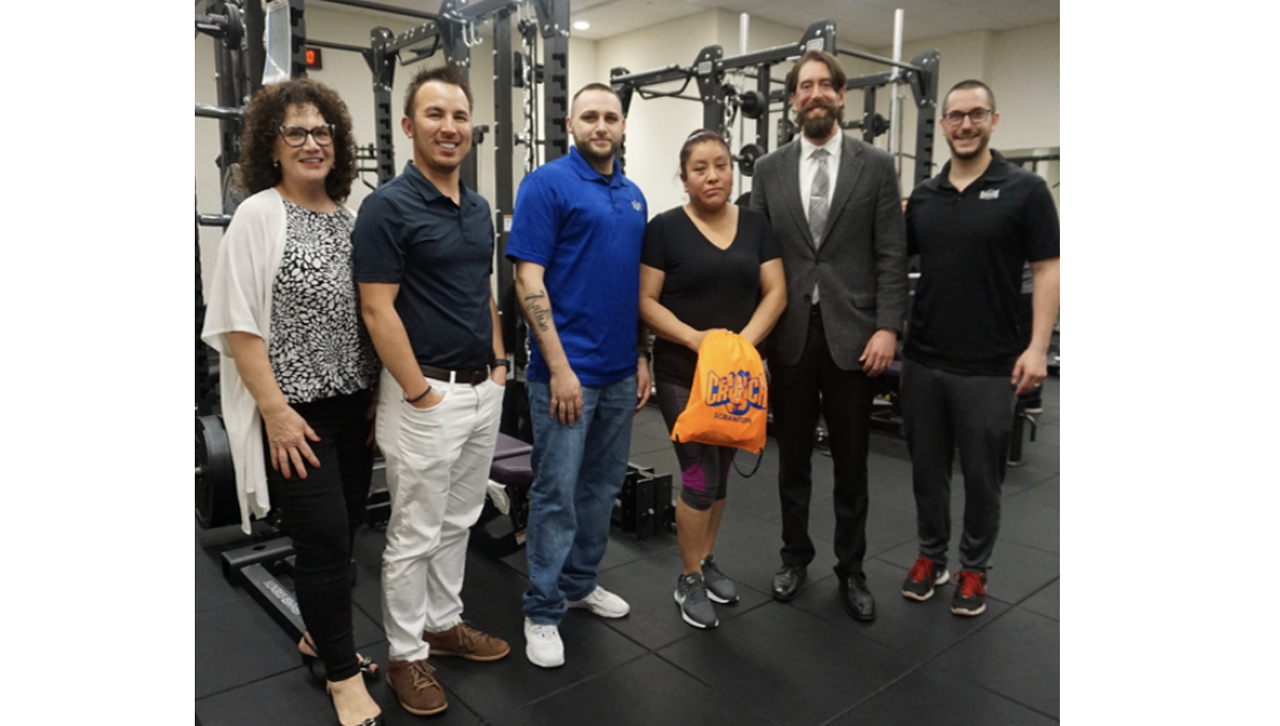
column 818, row 204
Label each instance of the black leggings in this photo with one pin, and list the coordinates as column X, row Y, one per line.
column 321, row 513
column 704, row 469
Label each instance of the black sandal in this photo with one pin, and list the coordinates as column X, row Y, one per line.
column 368, row 668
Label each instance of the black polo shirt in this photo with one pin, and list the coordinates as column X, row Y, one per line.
column 972, row 245
column 441, row 255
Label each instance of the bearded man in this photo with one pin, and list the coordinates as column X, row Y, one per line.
column 834, row 204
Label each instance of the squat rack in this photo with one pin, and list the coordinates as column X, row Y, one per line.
column 719, row 98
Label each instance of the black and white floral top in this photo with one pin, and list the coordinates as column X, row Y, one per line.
column 319, row 346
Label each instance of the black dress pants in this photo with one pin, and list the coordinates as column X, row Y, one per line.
column 798, row 393
column 944, row 411
column 320, row 513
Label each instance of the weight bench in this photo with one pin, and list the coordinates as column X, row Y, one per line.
column 500, row 530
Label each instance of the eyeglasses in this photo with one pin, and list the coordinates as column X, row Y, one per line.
column 977, row 116
column 296, row 136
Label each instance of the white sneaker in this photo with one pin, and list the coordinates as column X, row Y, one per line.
column 602, row 603
column 542, row 645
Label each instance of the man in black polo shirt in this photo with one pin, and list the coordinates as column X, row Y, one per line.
column 423, row 257
column 973, row 225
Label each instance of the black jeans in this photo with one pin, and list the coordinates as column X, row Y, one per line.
column 942, row 411
column 320, row 513
column 797, row 394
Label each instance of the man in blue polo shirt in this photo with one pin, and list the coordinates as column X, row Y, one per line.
column 575, row 238
column 974, row 225
column 423, row 257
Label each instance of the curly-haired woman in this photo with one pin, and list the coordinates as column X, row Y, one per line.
column 297, row 365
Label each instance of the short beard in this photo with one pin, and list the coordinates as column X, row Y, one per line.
column 584, row 148
column 982, row 147
column 819, row 127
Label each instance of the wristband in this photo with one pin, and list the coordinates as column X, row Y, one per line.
column 420, row 396
column 501, row 362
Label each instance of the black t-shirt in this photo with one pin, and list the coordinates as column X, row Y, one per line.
column 705, row 287
column 972, row 246
column 441, row 255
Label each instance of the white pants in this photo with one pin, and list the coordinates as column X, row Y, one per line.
column 437, row 471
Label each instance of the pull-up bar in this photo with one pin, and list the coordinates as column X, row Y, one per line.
column 879, row 59
column 336, row 46
column 385, row 8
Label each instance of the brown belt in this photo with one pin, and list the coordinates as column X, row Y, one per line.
column 474, row 377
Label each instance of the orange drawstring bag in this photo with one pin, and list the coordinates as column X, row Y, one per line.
column 729, row 402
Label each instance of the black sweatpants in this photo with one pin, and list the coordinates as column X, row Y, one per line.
column 320, row 514
column 942, row 411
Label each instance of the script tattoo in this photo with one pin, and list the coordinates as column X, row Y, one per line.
column 539, row 315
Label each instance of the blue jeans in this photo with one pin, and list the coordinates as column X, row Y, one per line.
column 573, row 491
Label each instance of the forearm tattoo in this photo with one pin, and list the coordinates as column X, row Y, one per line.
column 539, row 313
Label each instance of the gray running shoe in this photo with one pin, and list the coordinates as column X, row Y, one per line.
column 695, row 608
column 719, row 588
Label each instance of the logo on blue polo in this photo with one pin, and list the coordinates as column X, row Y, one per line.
column 738, row 392
column 636, row 205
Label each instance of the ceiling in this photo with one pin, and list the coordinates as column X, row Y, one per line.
column 864, row 22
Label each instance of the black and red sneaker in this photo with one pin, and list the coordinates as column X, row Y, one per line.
column 924, row 574
column 971, row 594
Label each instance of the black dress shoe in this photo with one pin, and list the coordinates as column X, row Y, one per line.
column 786, row 584
column 858, row 600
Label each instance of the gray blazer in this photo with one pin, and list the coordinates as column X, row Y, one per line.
column 861, row 267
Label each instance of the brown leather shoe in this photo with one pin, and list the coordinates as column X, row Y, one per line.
column 415, row 684
column 464, row 641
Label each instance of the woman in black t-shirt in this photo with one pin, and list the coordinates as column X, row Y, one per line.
column 706, row 265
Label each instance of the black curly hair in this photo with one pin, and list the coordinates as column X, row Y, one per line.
column 262, row 120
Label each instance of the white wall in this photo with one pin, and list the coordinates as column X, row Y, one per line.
column 1022, row 68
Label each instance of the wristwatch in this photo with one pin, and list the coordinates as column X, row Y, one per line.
column 501, row 362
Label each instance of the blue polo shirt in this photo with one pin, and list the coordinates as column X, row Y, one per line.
column 587, row 232
column 441, row 255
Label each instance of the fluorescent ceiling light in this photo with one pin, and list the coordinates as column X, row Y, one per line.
column 581, row 25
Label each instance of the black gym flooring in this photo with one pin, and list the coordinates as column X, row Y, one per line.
column 802, row 663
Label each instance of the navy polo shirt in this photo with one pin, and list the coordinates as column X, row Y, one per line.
column 587, row 232
column 972, row 247
column 441, row 255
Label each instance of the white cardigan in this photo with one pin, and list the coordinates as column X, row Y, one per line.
column 239, row 300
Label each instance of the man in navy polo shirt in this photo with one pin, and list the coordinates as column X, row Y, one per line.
column 575, row 238
column 973, row 225
column 423, row 257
